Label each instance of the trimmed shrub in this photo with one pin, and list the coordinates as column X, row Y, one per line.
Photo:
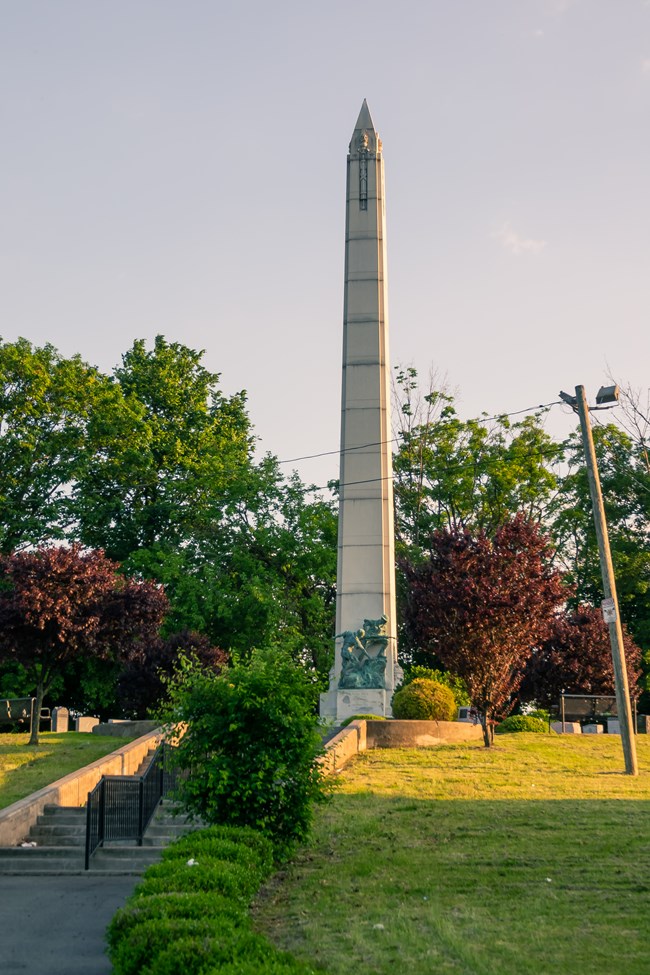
column 362, row 717
column 213, row 942
column 189, row 907
column 456, row 685
column 194, row 919
column 243, row 841
column 209, row 875
column 206, row 956
column 522, row 722
column 424, row 700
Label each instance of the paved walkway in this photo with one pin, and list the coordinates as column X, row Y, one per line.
column 56, row 925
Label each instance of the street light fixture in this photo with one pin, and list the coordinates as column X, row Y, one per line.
column 607, row 395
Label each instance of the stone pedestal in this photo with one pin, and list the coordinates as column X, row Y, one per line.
column 341, row 704
column 613, row 726
column 593, row 729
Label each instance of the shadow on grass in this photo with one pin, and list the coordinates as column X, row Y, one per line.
column 488, row 887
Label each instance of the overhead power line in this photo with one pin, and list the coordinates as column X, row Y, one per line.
column 380, row 443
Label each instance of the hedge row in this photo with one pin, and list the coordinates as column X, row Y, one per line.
column 189, row 913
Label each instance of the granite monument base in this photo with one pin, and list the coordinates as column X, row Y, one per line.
column 337, row 705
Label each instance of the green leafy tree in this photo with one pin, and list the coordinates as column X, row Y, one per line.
column 156, row 484
column 261, row 574
column 465, row 474
column 52, row 411
column 625, row 483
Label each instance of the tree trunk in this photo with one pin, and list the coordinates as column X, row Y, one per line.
column 36, row 717
column 487, row 731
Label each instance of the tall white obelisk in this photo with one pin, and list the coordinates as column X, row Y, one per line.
column 365, row 670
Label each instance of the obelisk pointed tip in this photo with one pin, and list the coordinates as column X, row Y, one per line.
column 365, row 134
column 364, row 122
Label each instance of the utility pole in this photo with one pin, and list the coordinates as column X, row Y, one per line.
column 610, row 603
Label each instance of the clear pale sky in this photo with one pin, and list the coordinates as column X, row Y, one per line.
column 178, row 167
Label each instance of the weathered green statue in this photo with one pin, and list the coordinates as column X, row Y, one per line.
column 359, row 667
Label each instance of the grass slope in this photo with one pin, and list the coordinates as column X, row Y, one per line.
column 531, row 858
column 25, row 769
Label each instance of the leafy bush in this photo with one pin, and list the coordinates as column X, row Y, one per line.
column 424, row 700
column 207, row 875
column 252, row 745
column 137, row 954
column 190, row 907
column 362, row 717
column 239, row 839
column 522, row 722
column 218, row 849
column 166, row 928
column 455, row 684
column 198, row 956
column 540, row 713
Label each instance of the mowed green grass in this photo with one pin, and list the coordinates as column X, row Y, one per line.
column 531, row 858
column 25, row 769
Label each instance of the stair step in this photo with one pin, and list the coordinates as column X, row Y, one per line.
column 167, row 829
column 29, row 853
column 58, row 829
column 45, row 836
column 78, row 812
column 67, row 817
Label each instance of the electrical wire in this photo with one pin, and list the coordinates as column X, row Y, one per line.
column 381, row 443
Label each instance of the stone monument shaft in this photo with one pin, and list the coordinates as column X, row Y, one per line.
column 366, row 559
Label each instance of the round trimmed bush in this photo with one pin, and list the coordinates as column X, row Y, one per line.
column 246, row 954
column 522, row 722
column 189, row 907
column 424, row 700
column 216, row 841
column 362, row 717
column 229, row 879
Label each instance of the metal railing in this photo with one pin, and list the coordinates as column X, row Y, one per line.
column 120, row 807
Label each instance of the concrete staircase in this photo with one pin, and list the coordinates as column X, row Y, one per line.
column 59, row 836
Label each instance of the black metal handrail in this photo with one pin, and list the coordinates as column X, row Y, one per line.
column 120, row 807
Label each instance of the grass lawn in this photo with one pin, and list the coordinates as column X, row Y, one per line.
column 531, row 858
column 25, row 769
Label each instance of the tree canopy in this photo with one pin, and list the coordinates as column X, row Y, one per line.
column 59, row 604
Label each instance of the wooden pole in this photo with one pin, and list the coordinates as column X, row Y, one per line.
column 609, row 589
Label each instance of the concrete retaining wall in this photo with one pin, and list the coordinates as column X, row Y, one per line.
column 72, row 789
column 360, row 735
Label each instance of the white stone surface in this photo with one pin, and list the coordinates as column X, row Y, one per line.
column 85, row 723
column 366, row 558
column 570, row 727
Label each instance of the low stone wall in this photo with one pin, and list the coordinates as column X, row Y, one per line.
column 72, row 789
column 361, row 735
column 124, row 729
column 419, row 734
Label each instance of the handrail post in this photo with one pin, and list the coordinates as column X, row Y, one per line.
column 140, row 811
column 101, row 825
column 88, row 824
